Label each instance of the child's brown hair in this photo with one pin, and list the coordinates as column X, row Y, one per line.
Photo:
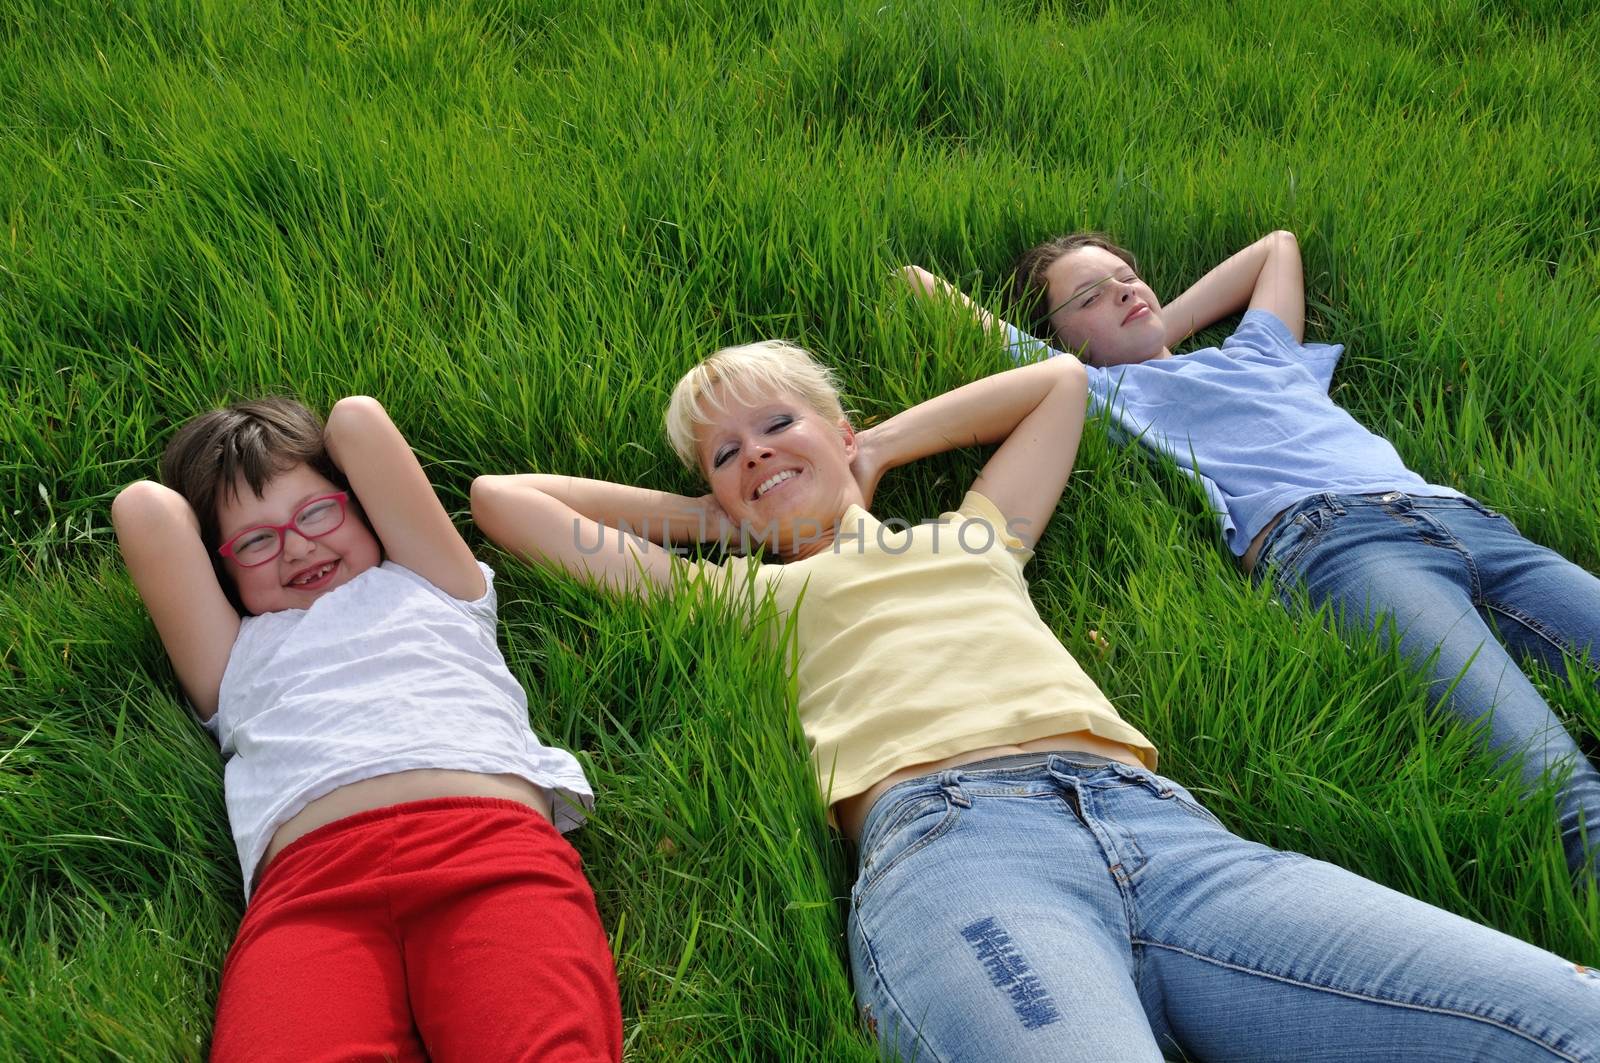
column 253, row 441
column 1032, row 291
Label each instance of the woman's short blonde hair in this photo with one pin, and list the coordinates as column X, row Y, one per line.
column 747, row 374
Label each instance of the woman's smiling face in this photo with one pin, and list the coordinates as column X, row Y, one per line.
column 779, row 470
column 1100, row 306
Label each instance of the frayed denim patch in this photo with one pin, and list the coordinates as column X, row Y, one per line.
column 1010, row 972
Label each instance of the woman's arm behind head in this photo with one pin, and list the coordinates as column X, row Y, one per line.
column 1035, row 413
column 1024, row 478
column 606, row 533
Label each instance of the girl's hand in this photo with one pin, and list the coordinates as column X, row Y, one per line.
column 929, row 285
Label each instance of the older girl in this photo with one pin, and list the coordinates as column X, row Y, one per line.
column 1309, row 498
column 1028, row 887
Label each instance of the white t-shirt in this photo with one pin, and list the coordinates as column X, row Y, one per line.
column 387, row 673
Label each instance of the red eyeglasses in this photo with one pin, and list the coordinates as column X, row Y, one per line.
column 263, row 542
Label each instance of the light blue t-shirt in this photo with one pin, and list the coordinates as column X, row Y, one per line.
column 1251, row 420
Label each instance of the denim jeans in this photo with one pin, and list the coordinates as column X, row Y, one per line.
column 1060, row 907
column 1451, row 575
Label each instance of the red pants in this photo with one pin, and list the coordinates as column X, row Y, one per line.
column 459, row 928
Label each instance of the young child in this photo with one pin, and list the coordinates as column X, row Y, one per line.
column 396, row 819
column 1028, row 888
column 1309, row 498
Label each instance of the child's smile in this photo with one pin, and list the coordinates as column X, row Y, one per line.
column 306, row 568
column 314, row 577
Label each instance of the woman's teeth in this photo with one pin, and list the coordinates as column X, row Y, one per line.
column 774, row 481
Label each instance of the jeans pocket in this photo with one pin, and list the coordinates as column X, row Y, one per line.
column 1281, row 560
column 916, row 820
column 1191, row 804
column 1493, row 514
column 1167, row 790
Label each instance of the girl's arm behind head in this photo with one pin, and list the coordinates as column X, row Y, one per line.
column 1266, row 275
column 160, row 540
column 931, row 286
column 397, row 498
column 1019, row 345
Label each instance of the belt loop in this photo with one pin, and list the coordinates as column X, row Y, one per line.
column 950, row 784
column 1331, row 500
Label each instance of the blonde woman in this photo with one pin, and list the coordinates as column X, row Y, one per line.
column 1028, row 888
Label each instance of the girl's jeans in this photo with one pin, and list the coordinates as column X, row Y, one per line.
column 1061, row 907
column 1450, row 575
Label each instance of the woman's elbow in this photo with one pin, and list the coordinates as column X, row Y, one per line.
column 1070, row 373
column 508, row 512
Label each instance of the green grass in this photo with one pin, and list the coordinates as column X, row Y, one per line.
column 516, row 224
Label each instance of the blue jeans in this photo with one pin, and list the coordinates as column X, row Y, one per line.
column 1061, row 907
column 1450, row 574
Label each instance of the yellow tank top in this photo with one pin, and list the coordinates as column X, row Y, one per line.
column 918, row 643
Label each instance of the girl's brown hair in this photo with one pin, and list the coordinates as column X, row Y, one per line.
column 253, row 441
column 1032, row 291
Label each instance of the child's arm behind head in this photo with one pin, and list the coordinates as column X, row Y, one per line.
column 160, row 540
column 1020, row 345
column 931, row 286
column 397, row 498
column 1266, row 275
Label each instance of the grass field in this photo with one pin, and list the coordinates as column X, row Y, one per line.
column 517, row 223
